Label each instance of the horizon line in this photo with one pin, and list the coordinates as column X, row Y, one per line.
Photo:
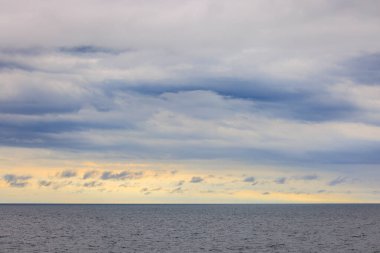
column 290, row 203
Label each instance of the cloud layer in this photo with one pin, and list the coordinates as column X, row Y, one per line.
column 259, row 82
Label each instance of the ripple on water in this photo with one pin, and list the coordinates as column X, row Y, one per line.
column 189, row 228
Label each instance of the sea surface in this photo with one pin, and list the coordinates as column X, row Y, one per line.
column 189, row 228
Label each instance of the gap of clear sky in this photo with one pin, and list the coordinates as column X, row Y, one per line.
column 208, row 101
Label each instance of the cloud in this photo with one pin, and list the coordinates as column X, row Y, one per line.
column 54, row 184
column 196, row 180
column 249, row 179
column 308, row 177
column 180, row 127
column 16, row 181
column 90, row 174
column 9, row 65
column 148, row 191
column 337, row 181
column 266, row 193
column 92, row 184
column 59, row 185
column 363, row 68
column 276, row 86
column 280, row 180
column 145, row 191
column 67, row 174
column 177, row 190
column 87, row 49
column 109, row 175
column 44, row 183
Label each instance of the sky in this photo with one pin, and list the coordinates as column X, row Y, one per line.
column 209, row 101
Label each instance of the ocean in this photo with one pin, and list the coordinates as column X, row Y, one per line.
column 190, row 228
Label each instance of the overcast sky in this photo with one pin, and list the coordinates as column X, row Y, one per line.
column 189, row 101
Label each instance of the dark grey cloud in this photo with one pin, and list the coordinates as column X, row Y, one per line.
column 249, row 179
column 145, row 191
column 54, row 184
column 196, row 180
column 44, row 183
column 109, row 175
column 62, row 184
column 363, row 69
column 271, row 97
column 88, row 49
column 16, row 180
column 39, row 101
column 280, row 180
column 90, row 174
column 337, row 181
column 177, row 190
column 266, row 193
column 256, row 89
column 21, row 135
column 9, row 65
column 26, row 51
column 308, row 177
column 148, row 191
column 364, row 152
column 92, row 184
column 67, row 174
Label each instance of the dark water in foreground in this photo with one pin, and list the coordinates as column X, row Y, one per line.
column 189, row 228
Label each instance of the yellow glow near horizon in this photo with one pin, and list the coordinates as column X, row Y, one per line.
column 166, row 182
column 152, row 183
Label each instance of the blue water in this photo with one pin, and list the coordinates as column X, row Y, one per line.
column 189, row 228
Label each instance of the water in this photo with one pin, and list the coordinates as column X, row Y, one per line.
column 189, row 228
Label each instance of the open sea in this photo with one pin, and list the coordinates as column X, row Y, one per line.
column 190, row 228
